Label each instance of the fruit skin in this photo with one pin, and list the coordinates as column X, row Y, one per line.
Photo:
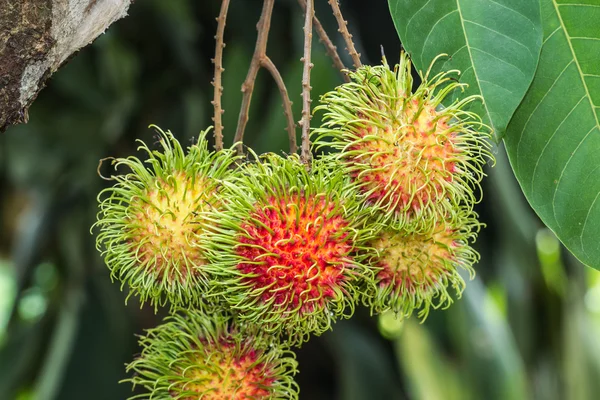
column 412, row 158
column 416, row 270
column 291, row 246
column 151, row 220
column 195, row 355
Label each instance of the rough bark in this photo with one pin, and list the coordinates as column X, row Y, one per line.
column 36, row 37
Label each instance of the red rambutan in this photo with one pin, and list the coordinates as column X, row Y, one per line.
column 415, row 270
column 195, row 355
column 412, row 158
column 288, row 255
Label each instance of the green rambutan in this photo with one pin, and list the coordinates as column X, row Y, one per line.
column 412, row 158
column 152, row 219
column 194, row 355
column 416, row 270
column 288, row 252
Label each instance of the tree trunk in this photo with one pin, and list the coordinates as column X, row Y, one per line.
column 36, row 37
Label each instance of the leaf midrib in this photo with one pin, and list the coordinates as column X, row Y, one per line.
column 581, row 74
column 462, row 23
column 589, row 97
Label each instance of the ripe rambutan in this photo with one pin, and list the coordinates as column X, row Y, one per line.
column 287, row 255
column 415, row 270
column 412, row 158
column 151, row 220
column 194, row 355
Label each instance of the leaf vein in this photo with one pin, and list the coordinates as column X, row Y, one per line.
column 578, row 5
column 538, row 105
column 550, row 139
column 462, row 23
column 501, row 60
column 513, row 10
column 415, row 14
column 587, row 91
column 562, row 173
column 501, row 34
column 450, row 58
column 587, row 217
column 584, row 38
column 550, row 35
column 498, row 86
column 431, row 30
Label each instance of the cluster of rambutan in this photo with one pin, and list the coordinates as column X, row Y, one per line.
column 256, row 256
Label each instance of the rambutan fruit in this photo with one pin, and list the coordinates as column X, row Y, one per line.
column 414, row 271
column 412, row 158
column 194, row 355
column 288, row 253
column 151, row 220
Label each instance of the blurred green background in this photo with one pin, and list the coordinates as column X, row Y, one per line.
column 528, row 327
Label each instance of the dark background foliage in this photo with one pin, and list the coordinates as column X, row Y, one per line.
column 526, row 327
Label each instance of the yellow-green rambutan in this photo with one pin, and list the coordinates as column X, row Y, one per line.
column 412, row 158
column 194, row 355
column 151, row 220
column 415, row 271
column 290, row 247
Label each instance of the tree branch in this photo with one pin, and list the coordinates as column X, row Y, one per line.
column 305, row 122
column 37, row 37
column 218, row 61
column 343, row 29
column 260, row 50
column 287, row 104
column 329, row 46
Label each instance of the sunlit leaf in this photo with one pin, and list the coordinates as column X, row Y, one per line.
column 554, row 137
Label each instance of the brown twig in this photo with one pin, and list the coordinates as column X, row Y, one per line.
column 305, row 122
column 287, row 104
column 329, row 46
column 343, row 29
column 218, row 61
column 260, row 51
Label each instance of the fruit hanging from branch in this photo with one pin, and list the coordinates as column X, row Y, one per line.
column 255, row 254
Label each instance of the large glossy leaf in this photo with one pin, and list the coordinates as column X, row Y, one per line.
column 553, row 141
column 495, row 43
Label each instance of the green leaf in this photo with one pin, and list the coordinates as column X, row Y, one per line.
column 494, row 43
column 553, row 141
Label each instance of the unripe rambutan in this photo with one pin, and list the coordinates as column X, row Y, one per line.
column 199, row 356
column 151, row 220
column 416, row 270
column 412, row 158
column 287, row 255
